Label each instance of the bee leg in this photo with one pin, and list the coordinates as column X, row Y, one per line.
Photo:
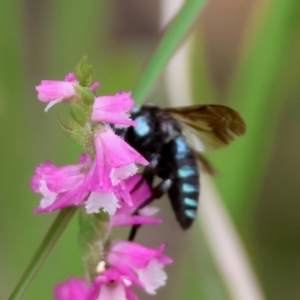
column 133, row 232
column 157, row 192
column 149, row 172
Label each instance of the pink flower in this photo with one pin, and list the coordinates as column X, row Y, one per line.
column 101, row 181
column 69, row 186
column 70, row 77
column 118, row 154
column 139, row 192
column 129, row 263
column 94, row 86
column 146, row 263
column 113, row 109
column 110, row 285
column 73, row 289
column 60, row 186
column 115, row 161
column 54, row 91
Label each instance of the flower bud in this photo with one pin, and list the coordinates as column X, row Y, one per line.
column 83, row 72
column 86, row 95
column 78, row 114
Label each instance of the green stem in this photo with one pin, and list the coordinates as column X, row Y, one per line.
column 171, row 40
column 42, row 252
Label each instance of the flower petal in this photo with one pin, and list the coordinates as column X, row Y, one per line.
column 63, row 179
column 107, row 201
column 60, row 186
column 94, row 86
column 139, row 191
column 52, row 103
column 113, row 109
column 153, row 276
column 118, row 153
column 112, row 291
column 135, row 255
column 125, row 220
column 70, row 77
column 124, row 172
column 73, row 289
column 112, row 285
column 39, row 174
column 51, row 90
column 48, row 196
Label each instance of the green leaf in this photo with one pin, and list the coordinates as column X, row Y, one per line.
column 174, row 35
column 255, row 94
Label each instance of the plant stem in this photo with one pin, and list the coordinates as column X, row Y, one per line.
column 44, row 249
column 171, row 40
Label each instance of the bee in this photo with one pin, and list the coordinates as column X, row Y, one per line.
column 159, row 137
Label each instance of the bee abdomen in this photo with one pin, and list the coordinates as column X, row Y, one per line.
column 184, row 192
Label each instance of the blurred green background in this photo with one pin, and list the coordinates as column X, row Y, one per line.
column 245, row 53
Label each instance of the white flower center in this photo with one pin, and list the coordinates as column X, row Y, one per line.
column 112, row 291
column 107, row 201
column 148, row 211
column 48, row 196
column 153, row 276
column 124, row 172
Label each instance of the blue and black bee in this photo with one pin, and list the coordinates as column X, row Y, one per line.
column 159, row 137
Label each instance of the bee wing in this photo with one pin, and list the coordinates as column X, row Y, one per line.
column 215, row 125
column 205, row 164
